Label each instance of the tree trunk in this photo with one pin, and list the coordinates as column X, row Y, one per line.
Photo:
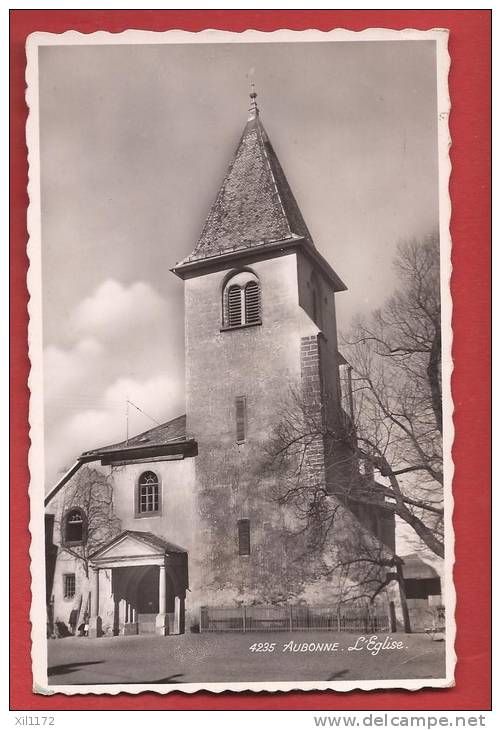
column 433, row 373
column 76, row 608
column 403, row 599
column 421, row 530
column 84, row 601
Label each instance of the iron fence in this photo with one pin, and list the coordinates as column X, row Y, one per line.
column 293, row 618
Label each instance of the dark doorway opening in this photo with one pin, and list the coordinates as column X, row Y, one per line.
column 147, row 601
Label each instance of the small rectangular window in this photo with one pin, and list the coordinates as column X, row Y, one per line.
column 241, row 418
column 243, row 537
column 69, row 585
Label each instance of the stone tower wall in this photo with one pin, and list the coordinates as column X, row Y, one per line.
column 269, row 364
column 263, row 364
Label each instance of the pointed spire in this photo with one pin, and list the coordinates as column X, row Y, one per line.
column 253, row 109
column 255, row 208
column 255, row 204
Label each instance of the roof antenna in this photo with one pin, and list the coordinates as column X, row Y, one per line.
column 130, row 403
column 253, row 109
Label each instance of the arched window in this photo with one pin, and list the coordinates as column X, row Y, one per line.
column 148, row 494
column 75, row 526
column 242, row 300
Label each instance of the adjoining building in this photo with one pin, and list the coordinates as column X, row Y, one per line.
column 186, row 515
column 423, row 590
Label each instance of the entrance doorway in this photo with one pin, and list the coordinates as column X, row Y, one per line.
column 146, row 600
column 136, row 596
column 149, row 578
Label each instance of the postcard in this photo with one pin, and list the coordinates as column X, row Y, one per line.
column 240, row 345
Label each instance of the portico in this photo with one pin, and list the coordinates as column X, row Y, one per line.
column 149, row 578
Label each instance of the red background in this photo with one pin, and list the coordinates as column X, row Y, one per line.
column 470, row 48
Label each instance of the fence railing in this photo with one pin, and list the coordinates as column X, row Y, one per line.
column 293, row 618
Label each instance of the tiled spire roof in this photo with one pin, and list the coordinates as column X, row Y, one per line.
column 255, row 204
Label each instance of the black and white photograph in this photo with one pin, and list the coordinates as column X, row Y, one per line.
column 240, row 346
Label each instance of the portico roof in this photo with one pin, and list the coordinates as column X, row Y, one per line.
column 137, row 550
column 137, row 543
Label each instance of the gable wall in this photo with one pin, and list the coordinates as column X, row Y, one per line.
column 177, row 523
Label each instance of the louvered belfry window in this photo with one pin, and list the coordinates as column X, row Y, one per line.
column 234, row 306
column 242, row 300
column 241, row 418
column 252, row 304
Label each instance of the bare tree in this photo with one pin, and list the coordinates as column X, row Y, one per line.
column 91, row 491
column 367, row 568
column 395, row 356
column 381, row 457
column 341, row 521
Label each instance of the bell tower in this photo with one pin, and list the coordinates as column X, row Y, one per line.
column 260, row 326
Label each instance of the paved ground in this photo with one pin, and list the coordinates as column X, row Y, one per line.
column 228, row 657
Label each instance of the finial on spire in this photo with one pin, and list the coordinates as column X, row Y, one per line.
column 253, row 109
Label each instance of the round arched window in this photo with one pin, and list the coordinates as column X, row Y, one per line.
column 148, row 494
column 75, row 525
column 242, row 300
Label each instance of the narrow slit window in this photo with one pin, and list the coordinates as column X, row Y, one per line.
column 315, row 305
column 252, row 304
column 234, row 306
column 316, row 300
column 243, row 537
column 241, row 418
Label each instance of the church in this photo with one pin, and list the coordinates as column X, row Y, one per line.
column 143, row 535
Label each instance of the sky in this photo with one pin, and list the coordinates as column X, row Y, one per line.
column 135, row 141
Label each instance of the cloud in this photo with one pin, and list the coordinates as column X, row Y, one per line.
column 114, row 309
column 160, row 398
column 156, row 396
column 64, row 369
column 120, row 347
column 80, row 431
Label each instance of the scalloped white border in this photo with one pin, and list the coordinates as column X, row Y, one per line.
column 35, row 382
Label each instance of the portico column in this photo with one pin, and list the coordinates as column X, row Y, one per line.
column 161, row 590
column 94, row 618
column 179, row 614
column 162, row 621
